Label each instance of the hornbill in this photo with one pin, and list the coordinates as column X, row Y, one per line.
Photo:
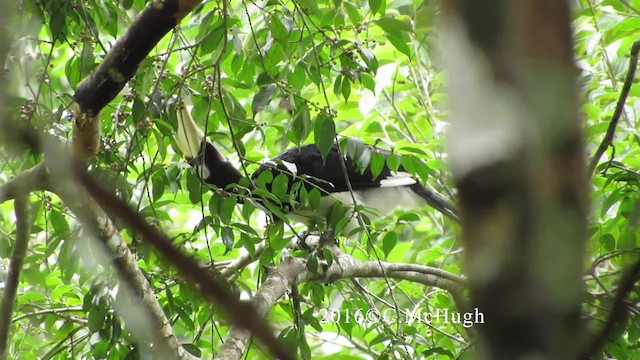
column 382, row 194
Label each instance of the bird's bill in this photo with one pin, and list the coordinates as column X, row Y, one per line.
column 189, row 135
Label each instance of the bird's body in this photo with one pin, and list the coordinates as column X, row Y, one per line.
column 337, row 178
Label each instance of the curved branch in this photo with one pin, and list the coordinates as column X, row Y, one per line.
column 293, row 271
column 23, row 229
column 34, row 179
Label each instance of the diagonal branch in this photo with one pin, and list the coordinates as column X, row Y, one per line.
column 153, row 323
column 608, row 137
column 242, row 314
column 118, row 67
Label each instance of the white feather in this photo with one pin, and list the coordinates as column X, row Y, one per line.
column 291, row 167
column 377, row 201
column 397, row 179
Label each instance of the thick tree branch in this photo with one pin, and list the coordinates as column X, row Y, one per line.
column 615, row 118
column 293, row 271
column 123, row 59
column 118, row 67
column 23, row 230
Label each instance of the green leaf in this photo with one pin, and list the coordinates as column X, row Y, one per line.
column 276, row 211
column 368, row 82
column 400, row 44
column 297, row 77
column 137, row 110
column 227, row 238
column 408, row 217
column 97, row 316
column 274, row 55
column 194, row 186
column 233, row 106
column 58, row 24
column 192, row 349
column 314, row 198
column 300, row 126
column 184, row 316
column 393, row 26
column 353, row 13
column 312, row 262
column 346, row 88
column 389, row 241
column 278, row 30
column 337, row 85
column 263, row 98
column 280, row 185
column 337, row 213
column 368, row 58
column 376, row 164
column 324, row 133
column 72, row 71
column 59, row 224
column 438, row 351
column 158, row 184
column 627, row 240
column 87, row 60
column 608, row 242
column 374, row 5
column 227, row 206
column 624, row 28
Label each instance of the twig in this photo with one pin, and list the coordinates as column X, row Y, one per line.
column 608, row 138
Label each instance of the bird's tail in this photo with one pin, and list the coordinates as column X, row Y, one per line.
column 437, row 201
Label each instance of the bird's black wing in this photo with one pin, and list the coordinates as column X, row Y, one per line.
column 305, row 164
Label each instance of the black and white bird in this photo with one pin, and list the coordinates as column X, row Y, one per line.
column 379, row 195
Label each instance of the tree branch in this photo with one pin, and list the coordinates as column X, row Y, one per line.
column 118, row 67
column 33, row 179
column 517, row 155
column 293, row 271
column 626, row 87
column 23, row 230
column 153, row 322
column 242, row 314
column 618, row 313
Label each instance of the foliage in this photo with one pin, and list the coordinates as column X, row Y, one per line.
column 263, row 77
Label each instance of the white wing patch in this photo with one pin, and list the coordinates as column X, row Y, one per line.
column 291, row 167
column 204, row 171
column 398, row 179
